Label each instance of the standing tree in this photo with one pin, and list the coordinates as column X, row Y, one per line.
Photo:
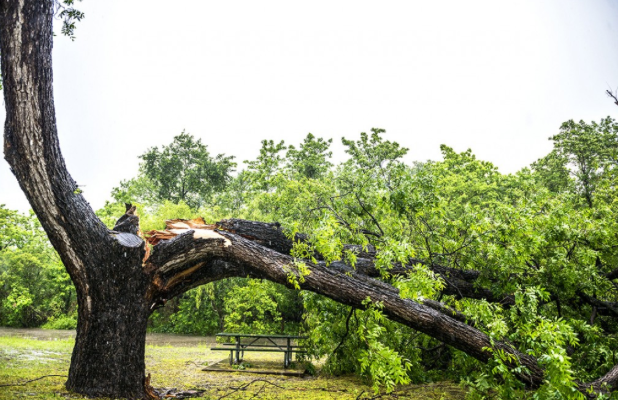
column 185, row 171
column 311, row 159
column 118, row 285
column 583, row 151
column 182, row 171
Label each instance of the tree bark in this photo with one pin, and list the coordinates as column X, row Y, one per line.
column 108, row 358
column 191, row 254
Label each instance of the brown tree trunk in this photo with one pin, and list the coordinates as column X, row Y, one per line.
column 108, row 358
column 191, row 254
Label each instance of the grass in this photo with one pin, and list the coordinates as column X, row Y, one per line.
column 181, row 367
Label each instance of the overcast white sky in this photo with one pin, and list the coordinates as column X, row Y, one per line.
column 498, row 77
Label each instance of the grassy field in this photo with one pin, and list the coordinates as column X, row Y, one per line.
column 181, row 367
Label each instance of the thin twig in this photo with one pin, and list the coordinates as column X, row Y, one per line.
column 347, row 330
column 32, row 380
column 242, row 387
column 610, row 94
column 201, row 363
column 258, row 392
column 368, row 213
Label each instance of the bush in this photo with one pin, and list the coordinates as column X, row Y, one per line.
column 62, row 322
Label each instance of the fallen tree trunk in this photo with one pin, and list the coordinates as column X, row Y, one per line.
column 459, row 283
column 188, row 260
column 250, row 248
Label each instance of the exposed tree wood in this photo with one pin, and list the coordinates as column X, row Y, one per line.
column 175, row 227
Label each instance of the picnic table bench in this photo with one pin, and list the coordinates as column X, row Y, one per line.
column 237, row 349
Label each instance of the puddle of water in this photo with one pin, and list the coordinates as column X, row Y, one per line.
column 38, row 333
column 41, row 356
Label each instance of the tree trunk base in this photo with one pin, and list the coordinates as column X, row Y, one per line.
column 105, row 341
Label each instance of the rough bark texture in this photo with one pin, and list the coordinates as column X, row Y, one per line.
column 117, row 290
column 108, row 358
column 196, row 249
column 459, row 283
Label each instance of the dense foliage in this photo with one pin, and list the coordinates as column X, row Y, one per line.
column 34, row 286
column 541, row 243
column 182, row 171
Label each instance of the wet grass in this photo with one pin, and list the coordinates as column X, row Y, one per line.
column 24, row 359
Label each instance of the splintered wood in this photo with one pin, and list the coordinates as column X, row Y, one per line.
column 175, row 227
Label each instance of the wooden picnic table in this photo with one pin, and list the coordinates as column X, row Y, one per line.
column 237, row 352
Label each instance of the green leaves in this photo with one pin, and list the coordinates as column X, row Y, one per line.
column 421, row 283
column 185, row 171
column 253, row 309
column 69, row 16
column 374, row 152
column 585, row 152
column 33, row 283
column 264, row 170
column 384, row 366
column 311, row 159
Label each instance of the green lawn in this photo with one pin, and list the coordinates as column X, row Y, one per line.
column 181, row 367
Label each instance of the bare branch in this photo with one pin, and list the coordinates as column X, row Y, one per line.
column 613, row 96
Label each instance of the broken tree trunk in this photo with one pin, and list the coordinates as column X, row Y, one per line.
column 108, row 358
column 190, row 253
column 185, row 261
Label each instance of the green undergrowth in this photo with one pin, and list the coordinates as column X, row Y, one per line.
column 181, row 367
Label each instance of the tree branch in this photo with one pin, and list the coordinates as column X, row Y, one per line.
column 613, row 96
column 459, row 283
column 201, row 247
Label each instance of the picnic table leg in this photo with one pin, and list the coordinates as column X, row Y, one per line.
column 288, row 354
